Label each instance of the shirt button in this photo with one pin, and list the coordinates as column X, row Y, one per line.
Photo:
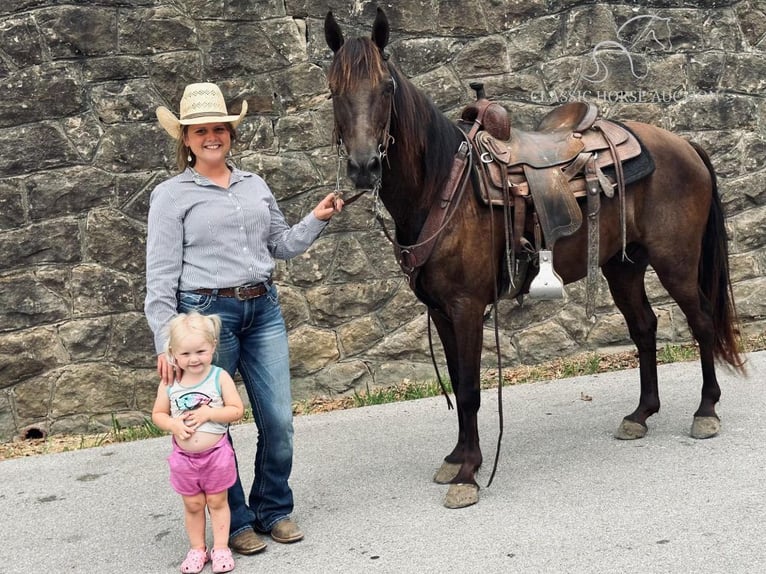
column 244, row 249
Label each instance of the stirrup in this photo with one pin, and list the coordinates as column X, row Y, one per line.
column 547, row 284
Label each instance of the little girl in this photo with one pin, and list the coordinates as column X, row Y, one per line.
column 197, row 410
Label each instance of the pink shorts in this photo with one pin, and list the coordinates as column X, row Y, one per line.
column 209, row 471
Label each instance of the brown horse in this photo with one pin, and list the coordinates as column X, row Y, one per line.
column 399, row 143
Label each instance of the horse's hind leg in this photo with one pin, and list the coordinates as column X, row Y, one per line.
column 626, row 283
column 682, row 285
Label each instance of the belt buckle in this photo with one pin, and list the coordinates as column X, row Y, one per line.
column 237, row 296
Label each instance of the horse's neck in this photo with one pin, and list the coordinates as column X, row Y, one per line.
column 403, row 195
column 408, row 191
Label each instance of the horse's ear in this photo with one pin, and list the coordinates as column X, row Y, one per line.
column 332, row 34
column 380, row 30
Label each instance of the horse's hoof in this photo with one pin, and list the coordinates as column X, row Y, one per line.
column 630, row 430
column 461, row 495
column 705, row 427
column 446, row 472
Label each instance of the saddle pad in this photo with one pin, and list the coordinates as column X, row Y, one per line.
column 636, row 168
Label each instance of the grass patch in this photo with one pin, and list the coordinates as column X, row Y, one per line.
column 147, row 429
column 677, row 353
column 65, row 443
column 404, row 391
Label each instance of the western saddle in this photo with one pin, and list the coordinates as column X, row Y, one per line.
column 537, row 177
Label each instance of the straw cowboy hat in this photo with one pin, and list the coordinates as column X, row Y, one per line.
column 201, row 104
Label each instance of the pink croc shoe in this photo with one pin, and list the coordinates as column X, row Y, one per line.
column 195, row 561
column 222, row 559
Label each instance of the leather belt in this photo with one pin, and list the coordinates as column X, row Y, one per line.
column 243, row 293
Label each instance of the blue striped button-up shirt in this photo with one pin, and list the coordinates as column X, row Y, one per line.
column 202, row 236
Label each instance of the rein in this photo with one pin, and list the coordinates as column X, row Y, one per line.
column 419, row 252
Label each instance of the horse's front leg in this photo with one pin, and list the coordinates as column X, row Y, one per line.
column 454, row 460
column 462, row 339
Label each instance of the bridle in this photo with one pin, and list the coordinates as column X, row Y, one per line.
column 386, row 140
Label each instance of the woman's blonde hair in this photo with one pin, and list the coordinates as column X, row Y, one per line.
column 183, row 153
column 184, row 324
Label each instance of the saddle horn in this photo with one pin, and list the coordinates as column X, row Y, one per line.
column 478, row 87
column 484, row 114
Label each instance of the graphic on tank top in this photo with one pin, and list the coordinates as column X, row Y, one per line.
column 192, row 400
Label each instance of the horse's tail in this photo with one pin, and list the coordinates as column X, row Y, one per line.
column 714, row 279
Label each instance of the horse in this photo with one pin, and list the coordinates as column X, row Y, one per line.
column 401, row 146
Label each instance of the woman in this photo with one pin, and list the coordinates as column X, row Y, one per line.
column 213, row 234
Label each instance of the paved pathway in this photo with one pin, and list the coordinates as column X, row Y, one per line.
column 567, row 497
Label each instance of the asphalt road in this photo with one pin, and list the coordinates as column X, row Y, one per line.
column 567, row 497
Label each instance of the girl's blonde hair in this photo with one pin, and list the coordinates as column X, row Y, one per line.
column 183, row 324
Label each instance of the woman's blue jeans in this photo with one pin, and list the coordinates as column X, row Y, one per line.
column 254, row 341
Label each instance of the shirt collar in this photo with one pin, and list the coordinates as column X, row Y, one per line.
column 189, row 175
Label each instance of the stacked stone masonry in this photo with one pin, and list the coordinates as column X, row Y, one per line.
column 82, row 152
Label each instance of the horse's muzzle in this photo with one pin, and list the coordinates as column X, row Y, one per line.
column 366, row 172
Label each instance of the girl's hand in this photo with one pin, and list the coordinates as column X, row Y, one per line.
column 180, row 429
column 198, row 416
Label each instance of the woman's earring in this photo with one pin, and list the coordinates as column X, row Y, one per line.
column 189, row 157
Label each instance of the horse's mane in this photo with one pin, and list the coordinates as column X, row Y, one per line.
column 426, row 137
column 435, row 135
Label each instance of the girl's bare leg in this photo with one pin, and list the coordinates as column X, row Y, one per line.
column 218, row 506
column 194, row 519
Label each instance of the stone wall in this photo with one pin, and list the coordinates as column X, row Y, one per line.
column 82, row 152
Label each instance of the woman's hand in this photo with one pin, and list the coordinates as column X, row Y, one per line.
column 329, row 206
column 167, row 372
